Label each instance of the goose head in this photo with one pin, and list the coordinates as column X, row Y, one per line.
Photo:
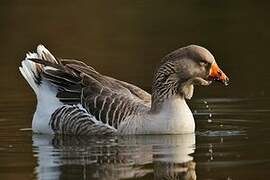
column 182, row 69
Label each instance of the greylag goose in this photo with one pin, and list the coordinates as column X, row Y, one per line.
column 73, row 98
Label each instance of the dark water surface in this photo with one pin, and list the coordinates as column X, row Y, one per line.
column 232, row 141
column 126, row 39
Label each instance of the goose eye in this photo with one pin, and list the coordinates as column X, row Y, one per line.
column 202, row 63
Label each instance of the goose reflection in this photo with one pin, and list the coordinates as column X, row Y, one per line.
column 146, row 157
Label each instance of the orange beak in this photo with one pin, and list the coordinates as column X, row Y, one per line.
column 217, row 74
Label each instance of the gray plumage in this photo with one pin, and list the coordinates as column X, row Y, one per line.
column 70, row 119
column 85, row 102
column 108, row 101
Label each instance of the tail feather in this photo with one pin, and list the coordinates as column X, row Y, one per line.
column 43, row 68
column 31, row 71
column 45, row 54
column 34, row 69
column 30, row 74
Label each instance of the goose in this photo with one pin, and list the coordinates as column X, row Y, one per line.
column 74, row 99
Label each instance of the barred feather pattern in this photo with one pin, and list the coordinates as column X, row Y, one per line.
column 71, row 76
column 107, row 100
column 110, row 108
column 165, row 84
column 88, row 102
column 71, row 119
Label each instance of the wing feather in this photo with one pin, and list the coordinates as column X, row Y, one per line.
column 107, row 106
column 71, row 119
column 106, row 99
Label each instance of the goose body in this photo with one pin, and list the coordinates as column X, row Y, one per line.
column 73, row 98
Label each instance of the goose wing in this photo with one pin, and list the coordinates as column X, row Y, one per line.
column 67, row 75
column 114, row 85
column 109, row 106
column 108, row 100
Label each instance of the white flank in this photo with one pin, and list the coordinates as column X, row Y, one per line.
column 47, row 103
column 175, row 117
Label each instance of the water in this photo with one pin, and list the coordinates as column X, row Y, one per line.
column 232, row 141
column 126, row 39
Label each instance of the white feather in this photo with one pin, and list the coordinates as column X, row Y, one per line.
column 28, row 75
column 47, row 103
column 42, row 51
